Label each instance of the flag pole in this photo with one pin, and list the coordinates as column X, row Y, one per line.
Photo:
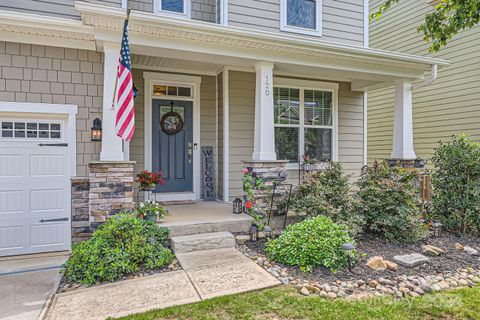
column 116, row 76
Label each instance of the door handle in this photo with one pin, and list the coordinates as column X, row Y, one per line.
column 189, row 152
column 53, row 220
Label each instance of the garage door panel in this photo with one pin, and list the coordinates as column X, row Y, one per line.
column 45, row 234
column 44, row 165
column 11, row 237
column 11, row 165
column 12, row 202
column 51, row 200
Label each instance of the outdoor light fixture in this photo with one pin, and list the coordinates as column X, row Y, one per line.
column 253, row 231
column 237, row 206
column 348, row 248
column 436, row 228
column 268, row 232
column 96, row 132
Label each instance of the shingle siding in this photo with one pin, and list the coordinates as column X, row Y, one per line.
column 31, row 73
column 448, row 106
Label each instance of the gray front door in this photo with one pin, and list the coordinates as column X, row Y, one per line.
column 173, row 154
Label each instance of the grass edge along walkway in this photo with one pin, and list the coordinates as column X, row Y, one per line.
column 284, row 303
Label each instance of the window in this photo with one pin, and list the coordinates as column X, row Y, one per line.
column 30, row 130
column 301, row 16
column 176, row 8
column 172, row 91
column 304, row 123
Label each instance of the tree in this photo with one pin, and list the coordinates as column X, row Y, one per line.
column 449, row 18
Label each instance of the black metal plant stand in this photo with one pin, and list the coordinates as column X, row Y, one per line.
column 276, row 194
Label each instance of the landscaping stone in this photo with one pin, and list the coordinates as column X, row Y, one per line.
column 392, row 266
column 458, row 247
column 443, row 285
column 432, row 250
column 471, row 251
column 304, row 291
column 331, row 295
column 377, row 263
column 373, row 283
column 242, row 238
column 411, row 260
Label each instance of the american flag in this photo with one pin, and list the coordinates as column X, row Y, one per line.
column 125, row 120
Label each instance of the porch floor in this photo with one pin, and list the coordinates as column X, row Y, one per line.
column 204, row 217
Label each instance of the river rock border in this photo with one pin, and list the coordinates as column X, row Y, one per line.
column 400, row 286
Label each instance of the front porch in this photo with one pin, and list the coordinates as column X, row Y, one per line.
column 205, row 217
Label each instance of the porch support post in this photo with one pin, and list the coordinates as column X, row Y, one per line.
column 264, row 137
column 403, row 123
column 112, row 149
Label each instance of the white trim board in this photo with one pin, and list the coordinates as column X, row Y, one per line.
column 226, row 135
column 153, row 78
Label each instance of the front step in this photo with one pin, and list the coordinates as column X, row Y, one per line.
column 239, row 225
column 204, row 241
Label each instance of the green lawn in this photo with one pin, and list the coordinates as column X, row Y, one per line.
column 284, row 303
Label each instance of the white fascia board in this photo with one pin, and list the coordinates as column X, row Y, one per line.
column 297, row 41
column 51, row 41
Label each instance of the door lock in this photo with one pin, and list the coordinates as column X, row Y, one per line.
column 189, row 152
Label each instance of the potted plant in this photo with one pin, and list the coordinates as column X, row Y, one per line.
column 151, row 211
column 149, row 180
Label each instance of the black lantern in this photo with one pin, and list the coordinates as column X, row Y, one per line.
column 253, row 231
column 96, row 133
column 134, row 92
column 268, row 232
column 436, row 228
column 348, row 248
column 237, row 206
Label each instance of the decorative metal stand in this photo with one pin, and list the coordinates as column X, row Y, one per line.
column 280, row 191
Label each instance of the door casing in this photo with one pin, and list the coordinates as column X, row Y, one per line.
column 154, row 78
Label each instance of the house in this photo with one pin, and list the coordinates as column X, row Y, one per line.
column 260, row 82
column 447, row 106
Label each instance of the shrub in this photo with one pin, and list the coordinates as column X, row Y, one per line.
column 120, row 246
column 327, row 193
column 456, row 184
column 314, row 242
column 388, row 201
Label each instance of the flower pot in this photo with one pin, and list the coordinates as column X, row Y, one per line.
column 148, row 187
column 151, row 218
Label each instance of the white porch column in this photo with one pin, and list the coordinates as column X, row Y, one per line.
column 112, row 149
column 264, row 137
column 403, row 122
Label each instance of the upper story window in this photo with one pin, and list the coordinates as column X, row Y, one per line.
column 174, row 8
column 301, row 16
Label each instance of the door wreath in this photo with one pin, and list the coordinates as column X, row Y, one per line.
column 171, row 122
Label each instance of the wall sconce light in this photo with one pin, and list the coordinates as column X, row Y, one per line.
column 96, row 132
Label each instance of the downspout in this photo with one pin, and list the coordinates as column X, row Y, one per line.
column 433, row 76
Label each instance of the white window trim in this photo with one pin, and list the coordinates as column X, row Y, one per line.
column 312, row 32
column 303, row 85
column 186, row 14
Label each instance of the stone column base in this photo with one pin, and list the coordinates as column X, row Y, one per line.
column 111, row 190
column 417, row 163
column 80, row 213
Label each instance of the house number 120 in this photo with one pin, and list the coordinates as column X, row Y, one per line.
column 267, row 86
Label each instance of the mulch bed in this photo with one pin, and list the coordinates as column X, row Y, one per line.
column 373, row 245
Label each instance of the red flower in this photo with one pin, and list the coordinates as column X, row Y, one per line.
column 245, row 171
column 249, row 205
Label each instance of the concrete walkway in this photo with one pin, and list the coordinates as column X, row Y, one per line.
column 206, row 274
column 26, row 283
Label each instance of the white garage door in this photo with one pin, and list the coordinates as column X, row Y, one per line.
column 34, row 186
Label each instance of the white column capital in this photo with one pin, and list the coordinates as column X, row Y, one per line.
column 403, row 122
column 264, row 137
column 112, row 145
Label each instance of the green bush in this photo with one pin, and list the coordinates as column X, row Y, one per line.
column 456, row 184
column 120, row 246
column 327, row 193
column 314, row 242
column 388, row 201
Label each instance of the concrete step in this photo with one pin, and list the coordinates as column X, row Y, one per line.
column 185, row 228
column 201, row 242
